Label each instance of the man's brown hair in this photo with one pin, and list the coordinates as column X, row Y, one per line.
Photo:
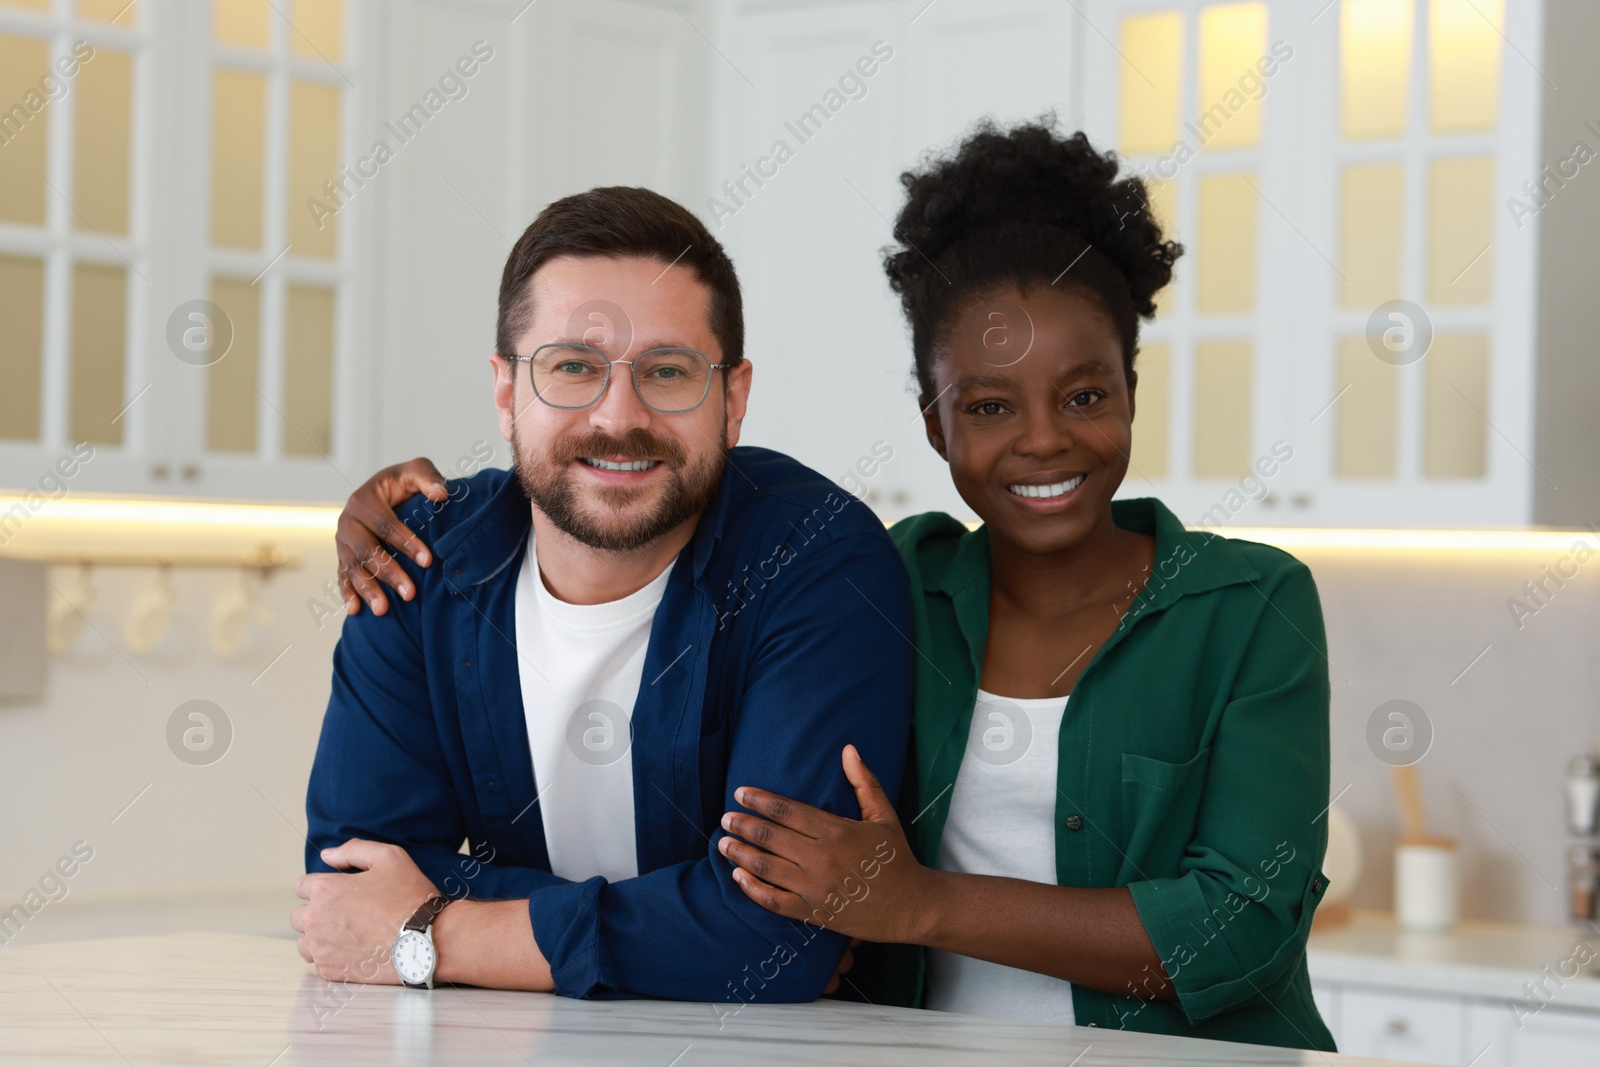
column 620, row 220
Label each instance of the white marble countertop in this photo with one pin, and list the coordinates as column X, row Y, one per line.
column 236, row 999
column 1477, row 959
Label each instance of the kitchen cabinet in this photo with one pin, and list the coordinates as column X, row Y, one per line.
column 1466, row 997
column 1454, row 1030
column 294, row 278
column 1553, row 1035
column 1358, row 287
column 1401, row 1026
column 1315, row 164
column 854, row 93
column 171, row 296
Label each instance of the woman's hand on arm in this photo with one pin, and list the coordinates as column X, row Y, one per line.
column 859, row 877
column 854, row 876
column 368, row 527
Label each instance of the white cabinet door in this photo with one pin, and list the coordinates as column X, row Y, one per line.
column 1530, row 1037
column 451, row 216
column 803, row 184
column 1402, row 1026
column 1367, row 158
column 572, row 96
column 820, row 108
column 1408, row 204
column 1009, row 60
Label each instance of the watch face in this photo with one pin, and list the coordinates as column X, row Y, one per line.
column 413, row 956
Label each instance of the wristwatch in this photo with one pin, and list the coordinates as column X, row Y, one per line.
column 412, row 955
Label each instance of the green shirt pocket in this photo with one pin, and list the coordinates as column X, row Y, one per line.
column 1160, row 804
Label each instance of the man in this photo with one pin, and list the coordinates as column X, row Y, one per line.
column 637, row 620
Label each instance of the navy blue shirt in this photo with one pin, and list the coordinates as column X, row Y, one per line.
column 786, row 639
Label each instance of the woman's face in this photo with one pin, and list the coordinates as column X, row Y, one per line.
column 1034, row 415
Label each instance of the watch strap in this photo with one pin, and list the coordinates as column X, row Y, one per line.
column 423, row 917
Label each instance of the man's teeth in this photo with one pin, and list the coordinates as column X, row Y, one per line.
column 1045, row 492
column 630, row 465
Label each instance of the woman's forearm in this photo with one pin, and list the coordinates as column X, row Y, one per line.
column 1090, row 937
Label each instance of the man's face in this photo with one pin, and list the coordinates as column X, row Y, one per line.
column 622, row 307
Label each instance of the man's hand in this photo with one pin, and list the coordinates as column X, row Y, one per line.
column 349, row 921
column 368, row 525
column 853, row 876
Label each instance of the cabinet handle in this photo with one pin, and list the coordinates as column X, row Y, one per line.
column 1301, row 500
column 1397, row 1028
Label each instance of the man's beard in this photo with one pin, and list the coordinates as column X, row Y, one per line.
column 548, row 482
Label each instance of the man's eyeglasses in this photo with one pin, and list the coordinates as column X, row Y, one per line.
column 669, row 380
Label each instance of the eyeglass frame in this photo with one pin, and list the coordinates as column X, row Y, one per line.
column 606, row 382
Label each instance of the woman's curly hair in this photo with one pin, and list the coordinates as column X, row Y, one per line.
column 1020, row 207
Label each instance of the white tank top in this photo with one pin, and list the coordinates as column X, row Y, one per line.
column 1002, row 822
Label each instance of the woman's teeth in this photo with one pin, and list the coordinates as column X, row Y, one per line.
column 631, row 465
column 1046, row 492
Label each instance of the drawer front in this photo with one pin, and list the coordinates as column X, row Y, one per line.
column 1402, row 1026
column 1548, row 1036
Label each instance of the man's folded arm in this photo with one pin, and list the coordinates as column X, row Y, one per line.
column 832, row 666
column 380, row 772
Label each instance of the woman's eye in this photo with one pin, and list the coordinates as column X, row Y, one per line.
column 1082, row 399
column 987, row 407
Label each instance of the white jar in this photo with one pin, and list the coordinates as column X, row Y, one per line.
column 1426, row 885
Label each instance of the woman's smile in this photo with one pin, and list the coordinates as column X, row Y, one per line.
column 1056, row 493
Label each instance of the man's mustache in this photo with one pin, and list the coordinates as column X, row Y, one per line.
column 635, row 444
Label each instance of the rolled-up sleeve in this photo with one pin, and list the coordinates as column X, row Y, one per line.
column 831, row 666
column 1235, row 919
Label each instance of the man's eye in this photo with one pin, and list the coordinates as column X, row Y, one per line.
column 987, row 407
column 1082, row 399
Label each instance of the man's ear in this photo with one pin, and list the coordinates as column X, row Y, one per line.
column 505, row 391
column 1133, row 388
column 737, row 391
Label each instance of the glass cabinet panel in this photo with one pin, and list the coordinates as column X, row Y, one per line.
column 21, row 341
column 1151, row 87
column 99, row 339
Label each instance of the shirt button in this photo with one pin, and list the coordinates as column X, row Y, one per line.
column 1091, row 1024
column 1316, row 885
column 1074, row 822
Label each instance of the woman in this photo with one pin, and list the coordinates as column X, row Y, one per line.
column 1121, row 735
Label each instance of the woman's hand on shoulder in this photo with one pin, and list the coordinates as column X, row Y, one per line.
column 368, row 529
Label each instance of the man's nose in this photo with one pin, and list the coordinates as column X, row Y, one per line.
column 620, row 409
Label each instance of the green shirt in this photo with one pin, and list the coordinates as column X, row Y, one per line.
column 1193, row 765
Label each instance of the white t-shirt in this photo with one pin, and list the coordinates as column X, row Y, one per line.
column 1002, row 822
column 580, row 666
